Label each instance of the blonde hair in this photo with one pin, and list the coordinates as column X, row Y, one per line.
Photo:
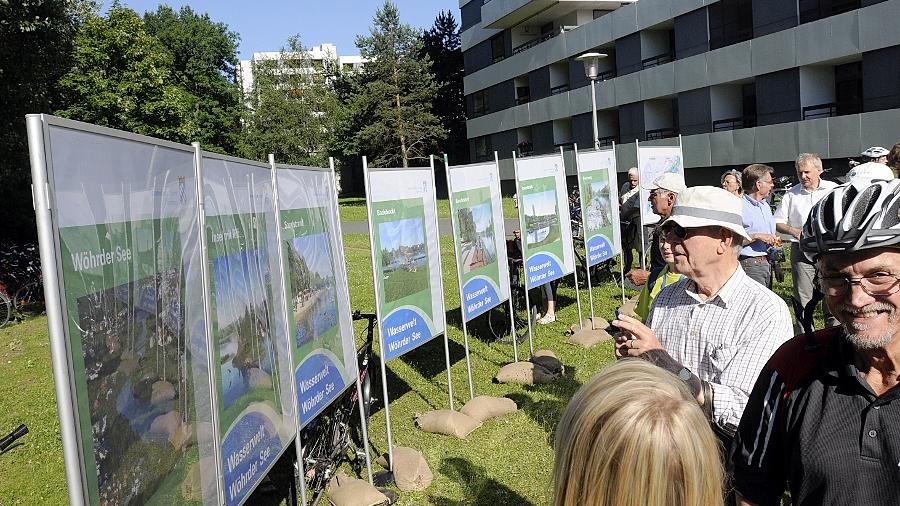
column 634, row 436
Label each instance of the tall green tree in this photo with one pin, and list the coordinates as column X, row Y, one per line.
column 121, row 78
column 395, row 94
column 204, row 57
column 292, row 108
column 442, row 46
column 36, row 40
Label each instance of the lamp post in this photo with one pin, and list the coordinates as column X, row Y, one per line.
column 591, row 71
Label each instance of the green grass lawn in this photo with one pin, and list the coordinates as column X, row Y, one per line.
column 506, row 461
column 354, row 208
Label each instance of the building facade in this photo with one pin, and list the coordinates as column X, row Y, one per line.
column 317, row 58
column 741, row 81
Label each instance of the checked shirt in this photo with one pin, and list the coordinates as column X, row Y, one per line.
column 725, row 340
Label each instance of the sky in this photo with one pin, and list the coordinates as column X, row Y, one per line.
column 265, row 25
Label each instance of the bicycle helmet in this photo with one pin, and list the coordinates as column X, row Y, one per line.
column 875, row 152
column 854, row 216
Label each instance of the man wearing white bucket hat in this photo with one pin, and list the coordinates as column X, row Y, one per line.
column 717, row 327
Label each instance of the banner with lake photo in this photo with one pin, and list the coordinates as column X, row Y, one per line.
column 125, row 216
column 248, row 328
column 319, row 322
column 406, row 257
column 544, row 217
column 654, row 161
column 479, row 236
column 599, row 204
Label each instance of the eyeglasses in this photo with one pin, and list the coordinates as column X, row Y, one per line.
column 680, row 232
column 876, row 285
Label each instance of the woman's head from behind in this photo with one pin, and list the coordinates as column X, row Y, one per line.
column 633, row 435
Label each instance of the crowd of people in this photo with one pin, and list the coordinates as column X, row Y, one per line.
column 720, row 396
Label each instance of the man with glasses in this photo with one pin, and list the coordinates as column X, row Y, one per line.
column 663, row 191
column 717, row 327
column 823, row 415
column 758, row 222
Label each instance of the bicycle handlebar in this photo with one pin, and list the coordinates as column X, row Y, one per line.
column 11, row 438
column 357, row 315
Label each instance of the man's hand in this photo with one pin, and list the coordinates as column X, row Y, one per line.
column 638, row 276
column 784, row 228
column 636, row 337
column 766, row 238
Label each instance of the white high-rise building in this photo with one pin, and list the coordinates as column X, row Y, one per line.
column 318, row 56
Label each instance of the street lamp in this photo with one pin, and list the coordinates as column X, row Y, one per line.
column 591, row 71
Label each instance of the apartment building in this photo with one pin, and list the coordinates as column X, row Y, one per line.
column 317, row 57
column 741, row 81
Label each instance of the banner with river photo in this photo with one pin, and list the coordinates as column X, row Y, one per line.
column 654, row 161
column 319, row 322
column 249, row 332
column 544, row 219
column 479, row 236
column 130, row 279
column 599, row 204
column 406, row 256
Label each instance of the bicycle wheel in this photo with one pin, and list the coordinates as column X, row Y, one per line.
column 29, row 298
column 6, row 308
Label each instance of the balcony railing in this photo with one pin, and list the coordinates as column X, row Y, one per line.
column 607, row 141
column 607, row 75
column 659, row 59
column 734, row 123
column 562, row 88
column 533, row 42
column 820, row 111
column 661, row 133
column 523, row 100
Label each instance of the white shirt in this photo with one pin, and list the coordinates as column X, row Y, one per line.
column 797, row 202
column 725, row 340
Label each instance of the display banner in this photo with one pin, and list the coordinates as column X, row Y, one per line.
column 129, row 280
column 544, row 215
column 319, row 322
column 479, row 236
column 599, row 204
column 249, row 332
column 406, row 256
column 654, row 161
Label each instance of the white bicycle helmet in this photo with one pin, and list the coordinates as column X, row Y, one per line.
column 853, row 217
column 875, row 152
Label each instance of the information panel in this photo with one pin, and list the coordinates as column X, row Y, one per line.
column 256, row 419
column 319, row 322
column 599, row 204
column 406, row 257
column 479, row 235
column 654, row 161
column 126, row 219
column 544, row 215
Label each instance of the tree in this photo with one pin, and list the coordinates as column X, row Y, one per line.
column 442, row 45
column 37, row 43
column 292, row 108
column 120, row 78
column 396, row 93
column 204, row 65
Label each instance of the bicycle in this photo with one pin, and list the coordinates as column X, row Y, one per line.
column 498, row 316
column 335, row 436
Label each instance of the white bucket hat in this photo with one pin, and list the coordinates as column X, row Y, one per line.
column 670, row 181
column 708, row 206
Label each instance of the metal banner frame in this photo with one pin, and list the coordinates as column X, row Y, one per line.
column 378, row 302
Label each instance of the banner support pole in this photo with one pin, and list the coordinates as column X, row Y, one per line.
column 364, row 423
column 524, row 262
column 62, row 377
column 640, row 229
column 462, row 311
column 384, row 390
column 574, row 267
column 512, row 309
